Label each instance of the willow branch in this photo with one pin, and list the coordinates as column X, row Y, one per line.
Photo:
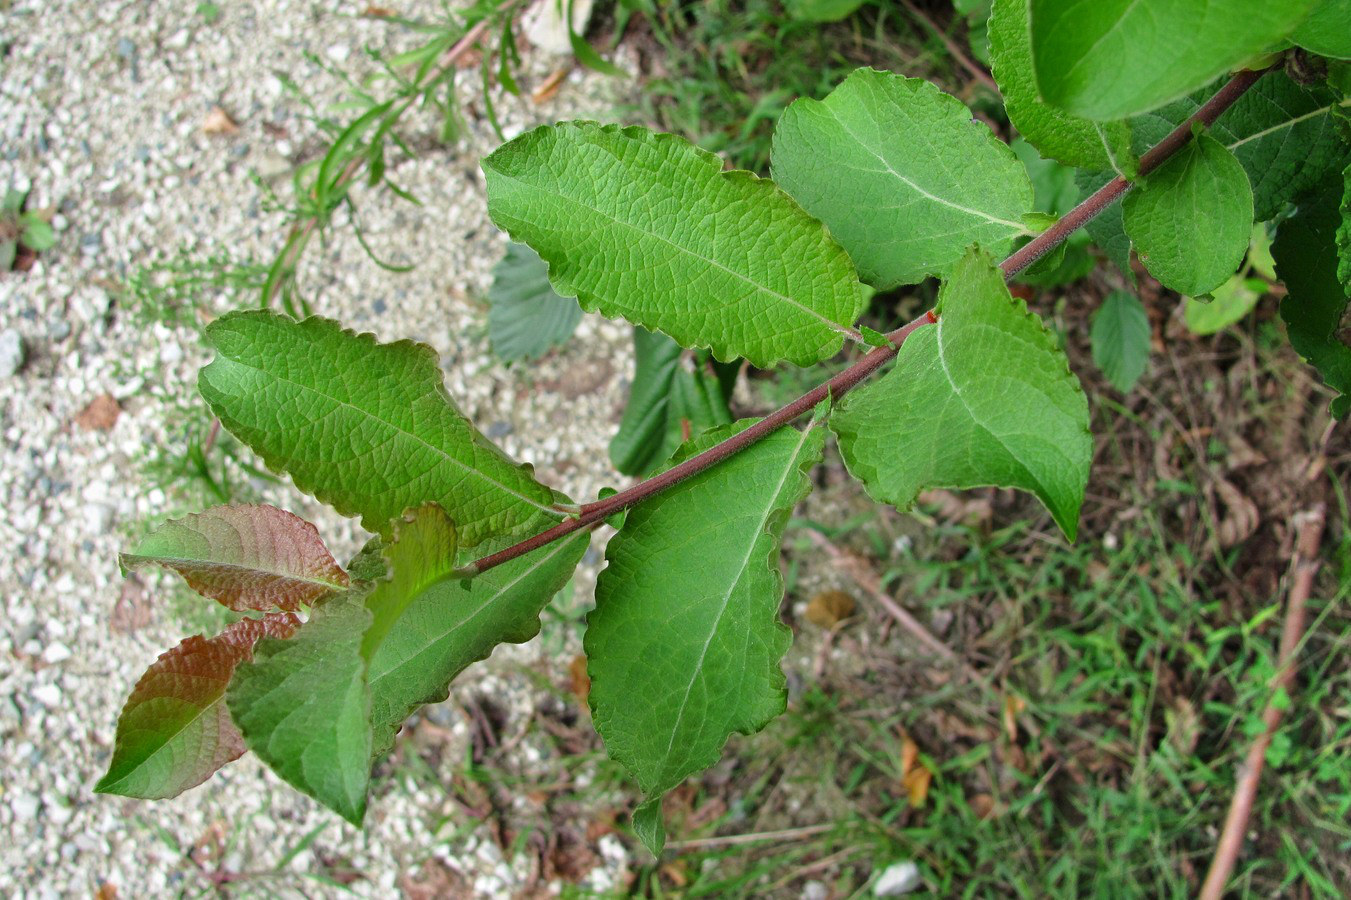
column 1304, row 566
column 839, row 385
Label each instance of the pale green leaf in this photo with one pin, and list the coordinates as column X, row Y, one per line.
column 366, row 427
column 1283, row 134
column 649, row 228
column 246, row 556
column 445, row 624
column 668, row 397
column 821, row 10
column 303, row 707
column 685, row 641
column 527, row 318
column 1318, row 284
column 1120, row 339
column 1111, row 59
column 1055, row 133
column 1327, row 30
column 877, row 161
column 1191, row 218
column 175, row 731
column 420, row 553
column 1228, row 303
column 985, row 397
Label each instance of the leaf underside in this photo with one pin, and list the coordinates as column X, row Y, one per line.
column 364, row 426
column 1055, row 133
column 1327, row 30
column 682, row 655
column 247, row 557
column 649, row 228
column 985, row 397
column 900, row 207
column 666, row 398
column 174, row 731
column 527, row 318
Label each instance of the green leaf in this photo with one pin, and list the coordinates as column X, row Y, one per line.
column 366, row 427
column 1120, row 339
column 1191, row 218
column 648, row 227
column 37, row 234
column 244, row 556
column 875, row 162
column 175, row 731
column 1327, row 30
column 303, row 707
column 667, row 397
column 1284, row 135
column 1306, row 250
column 985, row 397
column 821, row 10
column 1111, row 59
column 685, row 641
column 527, row 319
column 420, row 553
column 445, row 624
column 1054, row 132
column 1228, row 303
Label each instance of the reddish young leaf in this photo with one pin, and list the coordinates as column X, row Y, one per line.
column 247, row 556
column 175, row 731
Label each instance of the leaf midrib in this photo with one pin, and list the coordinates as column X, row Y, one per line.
column 185, row 561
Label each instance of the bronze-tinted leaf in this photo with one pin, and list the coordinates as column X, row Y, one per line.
column 175, row 731
column 245, row 556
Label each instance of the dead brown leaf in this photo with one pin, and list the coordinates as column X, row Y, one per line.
column 100, row 415
column 218, row 122
column 435, row 880
column 1241, row 517
column 1013, row 705
column 828, row 608
column 132, row 612
column 578, row 679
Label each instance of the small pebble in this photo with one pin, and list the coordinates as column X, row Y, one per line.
column 12, row 353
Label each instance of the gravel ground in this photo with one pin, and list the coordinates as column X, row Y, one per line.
column 102, row 108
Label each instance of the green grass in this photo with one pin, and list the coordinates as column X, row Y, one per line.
column 723, row 71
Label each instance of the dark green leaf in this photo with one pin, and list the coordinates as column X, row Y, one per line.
column 668, row 397
column 1307, row 260
column 527, row 318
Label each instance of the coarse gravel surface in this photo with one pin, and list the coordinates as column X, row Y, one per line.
column 102, row 113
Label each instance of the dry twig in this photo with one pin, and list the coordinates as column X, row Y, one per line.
column 1309, row 528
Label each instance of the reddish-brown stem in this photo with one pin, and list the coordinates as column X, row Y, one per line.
column 1109, row 192
column 836, row 387
column 1304, row 567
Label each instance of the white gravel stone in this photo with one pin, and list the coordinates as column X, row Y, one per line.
column 11, row 352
